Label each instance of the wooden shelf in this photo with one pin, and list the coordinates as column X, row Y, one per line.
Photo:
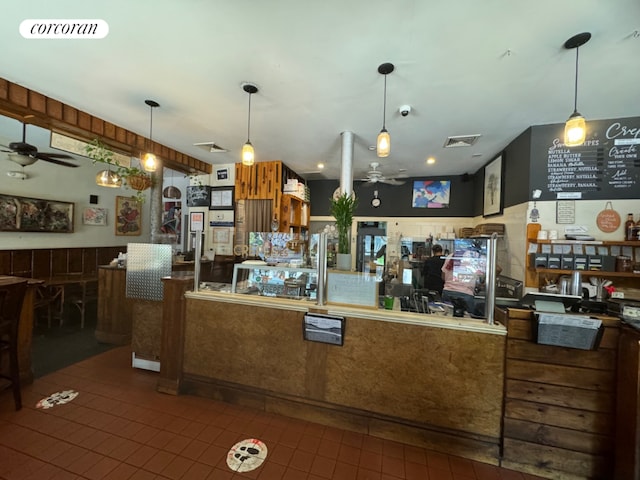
column 294, row 214
column 589, row 273
column 532, row 273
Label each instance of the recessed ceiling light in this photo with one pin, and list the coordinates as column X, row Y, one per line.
column 320, row 165
column 431, row 161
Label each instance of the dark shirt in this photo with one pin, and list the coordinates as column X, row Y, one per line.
column 432, row 273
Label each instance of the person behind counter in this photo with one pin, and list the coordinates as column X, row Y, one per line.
column 432, row 270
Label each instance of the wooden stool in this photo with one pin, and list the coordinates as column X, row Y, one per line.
column 11, row 298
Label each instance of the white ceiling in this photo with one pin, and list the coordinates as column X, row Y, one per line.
column 491, row 67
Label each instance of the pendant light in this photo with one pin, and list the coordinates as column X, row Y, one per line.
column 248, row 155
column 383, row 144
column 107, row 178
column 575, row 130
column 149, row 162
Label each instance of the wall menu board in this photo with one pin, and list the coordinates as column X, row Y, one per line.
column 606, row 166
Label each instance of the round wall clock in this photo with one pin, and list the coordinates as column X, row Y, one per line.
column 375, row 202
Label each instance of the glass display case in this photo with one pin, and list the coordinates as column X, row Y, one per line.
column 256, row 278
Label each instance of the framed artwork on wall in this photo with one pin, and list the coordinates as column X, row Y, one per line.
column 493, row 187
column 94, row 216
column 23, row 214
column 129, row 216
column 431, row 194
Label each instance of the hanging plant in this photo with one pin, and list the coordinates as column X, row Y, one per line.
column 134, row 178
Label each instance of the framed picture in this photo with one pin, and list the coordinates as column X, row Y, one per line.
column 221, row 235
column 94, row 216
column 221, row 198
column 198, row 196
column 129, row 216
column 23, row 214
column 493, row 187
column 431, row 194
column 196, row 221
column 222, row 173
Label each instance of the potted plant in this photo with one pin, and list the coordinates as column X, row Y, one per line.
column 342, row 208
column 134, row 177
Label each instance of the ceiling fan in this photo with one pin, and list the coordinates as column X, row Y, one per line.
column 375, row 176
column 26, row 154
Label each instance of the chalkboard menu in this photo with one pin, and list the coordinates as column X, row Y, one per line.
column 606, row 166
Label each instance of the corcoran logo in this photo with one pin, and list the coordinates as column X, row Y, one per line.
column 64, row 29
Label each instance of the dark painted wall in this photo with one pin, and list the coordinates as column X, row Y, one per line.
column 516, row 174
column 396, row 199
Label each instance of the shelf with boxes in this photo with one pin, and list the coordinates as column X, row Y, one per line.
column 610, row 259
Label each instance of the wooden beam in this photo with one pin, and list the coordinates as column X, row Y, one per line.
column 34, row 108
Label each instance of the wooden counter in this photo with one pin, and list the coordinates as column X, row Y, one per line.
column 424, row 380
column 559, row 418
column 628, row 405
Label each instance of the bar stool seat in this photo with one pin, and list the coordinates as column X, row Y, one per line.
column 11, row 299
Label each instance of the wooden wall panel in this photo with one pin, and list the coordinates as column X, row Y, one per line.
column 59, row 261
column 5, row 263
column 21, row 263
column 41, row 263
column 559, row 416
column 75, row 260
column 44, row 262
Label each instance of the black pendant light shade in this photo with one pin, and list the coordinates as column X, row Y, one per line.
column 149, row 162
column 575, row 130
column 248, row 154
column 383, row 144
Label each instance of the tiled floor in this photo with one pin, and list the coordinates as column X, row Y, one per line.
column 119, row 427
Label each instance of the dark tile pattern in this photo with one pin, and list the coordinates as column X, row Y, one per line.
column 120, row 428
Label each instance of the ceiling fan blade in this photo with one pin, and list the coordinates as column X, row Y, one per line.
column 56, row 155
column 392, row 181
column 47, row 158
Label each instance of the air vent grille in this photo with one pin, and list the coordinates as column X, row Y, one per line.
column 461, row 141
column 211, row 147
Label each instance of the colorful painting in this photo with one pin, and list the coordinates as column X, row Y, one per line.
column 431, row 194
column 94, row 216
column 129, row 216
column 21, row 214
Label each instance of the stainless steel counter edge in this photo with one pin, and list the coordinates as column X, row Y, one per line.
column 468, row 325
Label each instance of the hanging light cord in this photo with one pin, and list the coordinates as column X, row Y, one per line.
column 249, row 120
column 151, row 126
column 384, row 104
column 575, row 95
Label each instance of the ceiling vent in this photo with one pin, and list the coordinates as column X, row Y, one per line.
column 210, row 147
column 461, row 141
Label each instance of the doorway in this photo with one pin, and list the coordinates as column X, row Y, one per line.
column 371, row 248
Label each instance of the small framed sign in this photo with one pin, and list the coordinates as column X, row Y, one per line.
column 317, row 327
column 221, row 198
column 196, row 221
